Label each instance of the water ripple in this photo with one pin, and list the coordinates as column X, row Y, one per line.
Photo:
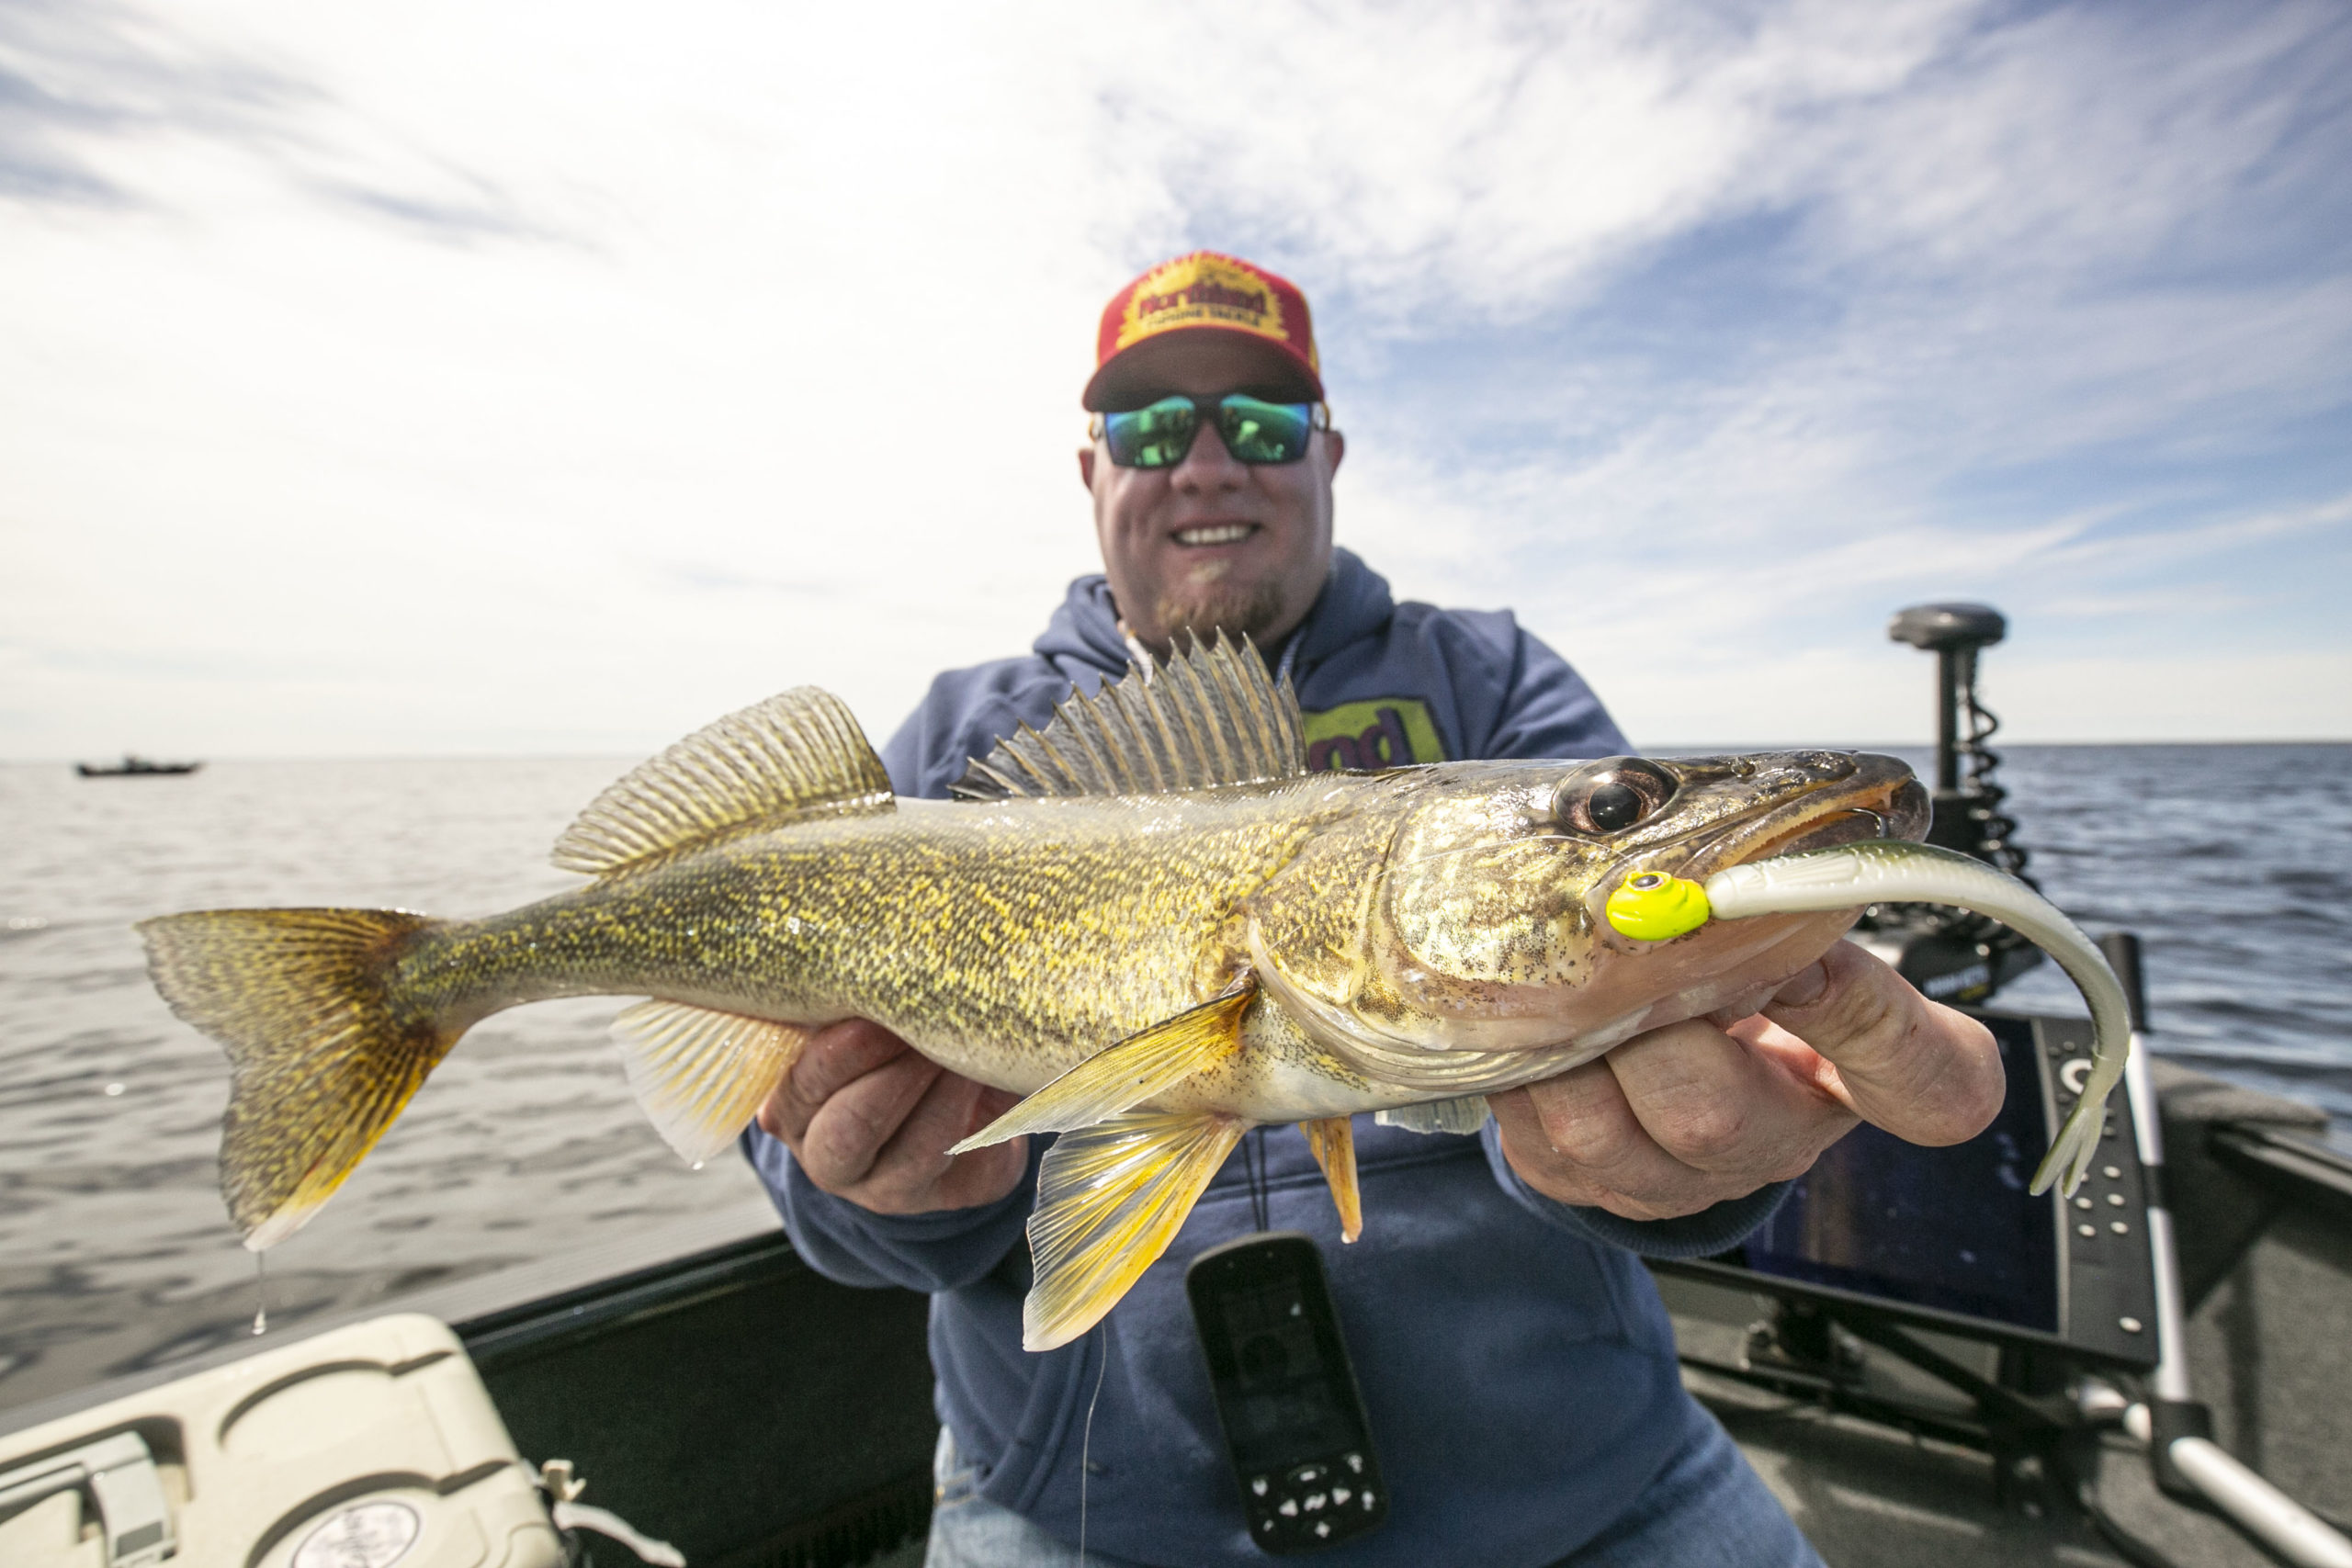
column 115, row 1253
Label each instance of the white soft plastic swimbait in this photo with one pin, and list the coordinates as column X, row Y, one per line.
column 1898, row 872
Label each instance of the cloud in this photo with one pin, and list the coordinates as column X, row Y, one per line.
column 101, row 102
column 449, row 379
column 76, row 78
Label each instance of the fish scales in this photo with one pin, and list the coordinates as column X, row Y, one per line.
column 1044, row 932
column 1153, row 972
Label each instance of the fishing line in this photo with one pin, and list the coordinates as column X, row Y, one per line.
column 1086, row 1443
column 1253, row 1164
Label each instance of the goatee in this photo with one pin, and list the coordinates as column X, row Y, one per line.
column 1238, row 610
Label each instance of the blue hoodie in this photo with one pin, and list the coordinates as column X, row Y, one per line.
column 1517, row 1367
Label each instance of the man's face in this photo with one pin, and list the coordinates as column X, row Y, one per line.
column 1214, row 542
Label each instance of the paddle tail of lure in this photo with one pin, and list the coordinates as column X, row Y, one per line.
column 1896, row 871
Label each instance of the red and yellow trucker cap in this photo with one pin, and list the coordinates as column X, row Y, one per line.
column 1203, row 292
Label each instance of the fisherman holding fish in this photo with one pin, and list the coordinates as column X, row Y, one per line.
column 1516, row 1364
column 1350, row 905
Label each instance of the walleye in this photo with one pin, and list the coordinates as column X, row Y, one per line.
column 1150, row 918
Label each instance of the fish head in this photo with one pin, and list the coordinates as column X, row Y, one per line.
column 1471, row 914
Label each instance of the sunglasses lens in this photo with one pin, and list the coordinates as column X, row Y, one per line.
column 1154, row 437
column 1259, row 431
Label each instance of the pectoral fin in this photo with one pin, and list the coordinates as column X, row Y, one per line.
column 698, row 1074
column 1110, row 1199
column 1127, row 1074
column 1333, row 1139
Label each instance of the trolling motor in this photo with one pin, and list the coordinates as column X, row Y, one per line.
column 1951, row 955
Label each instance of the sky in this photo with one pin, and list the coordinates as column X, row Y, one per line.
column 469, row 377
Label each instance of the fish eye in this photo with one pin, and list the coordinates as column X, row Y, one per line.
column 1610, row 797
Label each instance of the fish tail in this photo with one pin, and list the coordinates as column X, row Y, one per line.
column 2076, row 1144
column 325, row 1044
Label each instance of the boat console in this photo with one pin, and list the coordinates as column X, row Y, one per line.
column 1883, row 1232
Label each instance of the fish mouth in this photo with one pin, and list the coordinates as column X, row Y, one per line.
column 1864, row 796
column 1879, row 798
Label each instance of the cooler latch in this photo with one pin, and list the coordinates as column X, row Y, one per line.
column 120, row 1475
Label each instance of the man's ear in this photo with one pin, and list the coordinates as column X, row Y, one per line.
column 1086, row 467
column 1336, row 445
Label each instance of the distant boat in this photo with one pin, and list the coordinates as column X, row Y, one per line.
column 133, row 767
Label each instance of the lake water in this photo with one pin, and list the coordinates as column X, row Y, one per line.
column 2234, row 863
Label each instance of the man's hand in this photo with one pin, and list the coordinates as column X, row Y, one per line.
column 1689, row 1115
column 870, row 1121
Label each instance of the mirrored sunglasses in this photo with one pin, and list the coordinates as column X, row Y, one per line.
column 1159, row 435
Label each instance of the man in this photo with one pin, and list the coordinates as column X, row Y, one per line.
column 1517, row 1367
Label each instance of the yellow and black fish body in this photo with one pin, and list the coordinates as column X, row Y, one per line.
column 1150, row 919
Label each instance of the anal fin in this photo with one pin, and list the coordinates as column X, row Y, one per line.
column 1467, row 1114
column 700, row 1074
column 1127, row 1074
column 1110, row 1199
column 1333, row 1141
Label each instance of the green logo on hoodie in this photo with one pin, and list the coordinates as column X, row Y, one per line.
column 1386, row 732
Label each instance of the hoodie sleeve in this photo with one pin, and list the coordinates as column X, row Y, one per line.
column 939, row 1251
column 1718, row 1228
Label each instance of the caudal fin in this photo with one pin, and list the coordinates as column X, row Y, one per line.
column 323, row 1053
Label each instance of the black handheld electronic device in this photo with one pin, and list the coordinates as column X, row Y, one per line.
column 1285, row 1394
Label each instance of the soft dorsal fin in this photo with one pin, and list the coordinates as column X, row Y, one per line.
column 1210, row 716
column 797, row 753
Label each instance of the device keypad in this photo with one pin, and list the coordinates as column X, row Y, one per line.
column 1314, row 1504
column 2104, row 1187
column 2108, row 1291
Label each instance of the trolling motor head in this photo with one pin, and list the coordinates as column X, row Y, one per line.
column 1948, row 628
column 1952, row 956
column 1953, row 633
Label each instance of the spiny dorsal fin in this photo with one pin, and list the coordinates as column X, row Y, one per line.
column 796, row 753
column 1210, row 716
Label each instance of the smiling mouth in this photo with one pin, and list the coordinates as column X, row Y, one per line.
column 1215, row 534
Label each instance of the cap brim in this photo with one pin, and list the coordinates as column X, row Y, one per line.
column 1132, row 377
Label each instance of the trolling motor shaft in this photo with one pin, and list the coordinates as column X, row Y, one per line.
column 1954, row 633
column 1952, row 957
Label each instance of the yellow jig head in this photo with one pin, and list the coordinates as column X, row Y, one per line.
column 1653, row 906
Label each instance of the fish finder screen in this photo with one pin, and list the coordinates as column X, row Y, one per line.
column 1951, row 1228
column 1283, row 1403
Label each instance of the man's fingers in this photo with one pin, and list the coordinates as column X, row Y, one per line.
column 849, row 1132
column 1576, row 1139
column 916, row 1153
column 1925, row 1073
column 1717, row 1104
column 836, row 1055
column 914, row 1171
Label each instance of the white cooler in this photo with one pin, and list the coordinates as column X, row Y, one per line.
column 363, row 1447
